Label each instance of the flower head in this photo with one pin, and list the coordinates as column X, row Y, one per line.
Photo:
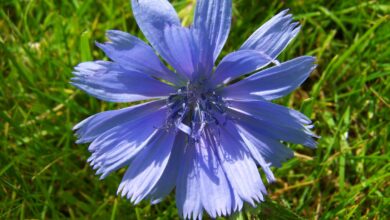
column 204, row 130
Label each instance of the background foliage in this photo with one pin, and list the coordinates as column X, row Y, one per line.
column 44, row 175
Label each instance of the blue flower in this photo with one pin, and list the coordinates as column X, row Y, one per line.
column 204, row 130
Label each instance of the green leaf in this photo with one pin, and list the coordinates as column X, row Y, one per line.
column 85, row 49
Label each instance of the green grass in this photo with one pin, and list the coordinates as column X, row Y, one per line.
column 44, row 175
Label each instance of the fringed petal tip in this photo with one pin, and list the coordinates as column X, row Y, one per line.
column 273, row 36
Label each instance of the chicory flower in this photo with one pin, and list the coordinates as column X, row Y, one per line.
column 203, row 130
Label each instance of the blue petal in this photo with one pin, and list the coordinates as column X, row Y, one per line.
column 272, row 83
column 283, row 123
column 188, row 198
column 153, row 16
column 217, row 195
column 279, row 131
column 272, row 150
column 252, row 145
column 182, row 50
column 116, row 147
column 272, row 37
column 110, row 82
column 95, row 125
column 133, row 54
column 213, row 19
column 267, row 111
column 147, row 167
column 239, row 166
column 203, row 183
column 237, row 64
column 116, row 135
column 168, row 179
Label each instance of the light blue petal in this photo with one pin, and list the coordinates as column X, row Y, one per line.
column 95, row 125
column 273, row 130
column 133, row 54
column 168, row 179
column 239, row 166
column 213, row 19
column 116, row 147
column 272, row 150
column 202, row 182
column 272, row 83
column 153, row 16
column 217, row 195
column 188, row 198
column 267, row 111
column 237, row 64
column 147, row 167
column 110, row 82
column 272, row 37
column 283, row 123
column 251, row 144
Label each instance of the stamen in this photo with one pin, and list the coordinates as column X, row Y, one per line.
column 193, row 107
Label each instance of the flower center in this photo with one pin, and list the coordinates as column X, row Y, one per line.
column 193, row 107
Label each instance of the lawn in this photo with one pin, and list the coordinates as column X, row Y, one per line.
column 44, row 174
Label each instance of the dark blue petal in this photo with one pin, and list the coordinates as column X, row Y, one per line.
column 133, row 54
column 213, row 19
column 237, row 64
column 272, row 83
column 110, row 82
column 273, row 36
column 148, row 166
